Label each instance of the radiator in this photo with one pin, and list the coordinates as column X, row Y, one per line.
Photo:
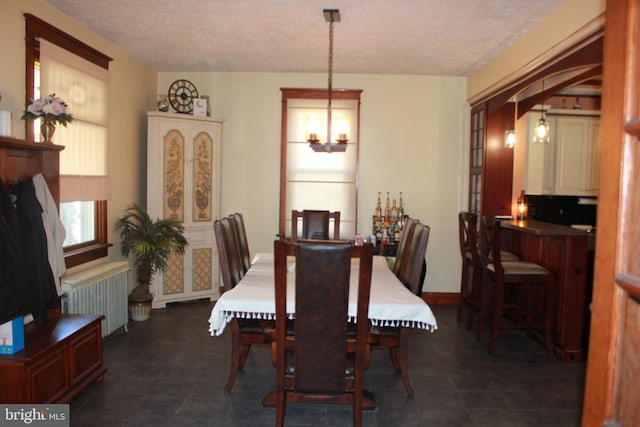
column 101, row 289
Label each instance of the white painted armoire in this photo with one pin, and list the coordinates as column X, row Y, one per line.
column 183, row 183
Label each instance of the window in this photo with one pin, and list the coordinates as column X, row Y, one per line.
column 78, row 74
column 478, row 137
column 319, row 180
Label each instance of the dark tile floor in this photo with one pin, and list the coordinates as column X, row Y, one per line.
column 168, row 371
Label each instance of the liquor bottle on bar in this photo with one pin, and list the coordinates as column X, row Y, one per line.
column 401, row 213
column 377, row 221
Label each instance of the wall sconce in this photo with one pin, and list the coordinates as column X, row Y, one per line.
column 541, row 134
column 510, row 138
column 330, row 16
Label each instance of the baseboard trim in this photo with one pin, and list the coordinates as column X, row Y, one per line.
column 441, row 298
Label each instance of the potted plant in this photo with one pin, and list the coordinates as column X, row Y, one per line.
column 151, row 243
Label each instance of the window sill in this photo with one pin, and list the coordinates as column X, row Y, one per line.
column 85, row 254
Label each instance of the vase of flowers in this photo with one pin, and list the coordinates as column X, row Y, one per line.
column 51, row 111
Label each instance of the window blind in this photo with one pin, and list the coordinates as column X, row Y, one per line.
column 84, row 86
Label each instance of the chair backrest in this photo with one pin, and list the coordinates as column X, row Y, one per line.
column 405, row 236
column 228, row 255
column 468, row 234
column 241, row 239
column 490, row 245
column 315, row 224
column 413, row 265
column 323, row 270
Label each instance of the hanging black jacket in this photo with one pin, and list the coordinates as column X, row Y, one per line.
column 14, row 296
column 33, row 245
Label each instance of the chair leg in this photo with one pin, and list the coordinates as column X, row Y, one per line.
column 475, row 297
column 463, row 283
column 496, row 315
column 244, row 354
column 484, row 307
column 548, row 316
column 235, row 355
column 280, row 403
column 358, row 393
column 367, row 357
column 395, row 360
column 404, row 360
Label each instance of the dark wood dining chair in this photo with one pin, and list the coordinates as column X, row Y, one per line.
column 514, row 294
column 411, row 272
column 406, row 236
column 315, row 224
column 319, row 361
column 242, row 240
column 244, row 332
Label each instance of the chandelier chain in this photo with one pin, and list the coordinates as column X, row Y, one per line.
column 330, row 79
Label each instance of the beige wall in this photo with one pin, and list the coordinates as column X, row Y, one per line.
column 563, row 25
column 412, row 132
column 133, row 91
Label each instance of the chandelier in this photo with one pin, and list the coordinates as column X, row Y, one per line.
column 330, row 16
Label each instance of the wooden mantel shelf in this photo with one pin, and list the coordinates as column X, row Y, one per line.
column 7, row 142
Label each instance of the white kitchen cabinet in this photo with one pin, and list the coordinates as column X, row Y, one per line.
column 576, row 151
column 183, row 183
column 569, row 164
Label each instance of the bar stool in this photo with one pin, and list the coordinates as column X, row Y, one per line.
column 471, row 278
column 512, row 289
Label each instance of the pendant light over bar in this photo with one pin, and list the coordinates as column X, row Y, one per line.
column 541, row 134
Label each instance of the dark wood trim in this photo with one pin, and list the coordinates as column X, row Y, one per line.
column 441, row 298
column 615, row 231
column 527, row 104
column 86, row 254
column 580, row 55
column 37, row 28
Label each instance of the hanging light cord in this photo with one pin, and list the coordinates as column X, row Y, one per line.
column 330, row 79
column 542, row 101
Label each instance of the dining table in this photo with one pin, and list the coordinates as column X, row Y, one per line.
column 390, row 302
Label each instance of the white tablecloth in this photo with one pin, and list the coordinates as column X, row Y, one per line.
column 390, row 303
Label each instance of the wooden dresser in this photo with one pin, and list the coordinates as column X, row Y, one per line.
column 563, row 251
column 60, row 358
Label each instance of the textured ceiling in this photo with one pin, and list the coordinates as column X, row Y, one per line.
column 426, row 37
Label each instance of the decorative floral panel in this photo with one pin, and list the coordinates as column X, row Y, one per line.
column 174, row 175
column 201, row 269
column 173, row 277
column 202, row 176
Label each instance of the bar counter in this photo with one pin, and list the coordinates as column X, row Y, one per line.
column 563, row 251
column 540, row 228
